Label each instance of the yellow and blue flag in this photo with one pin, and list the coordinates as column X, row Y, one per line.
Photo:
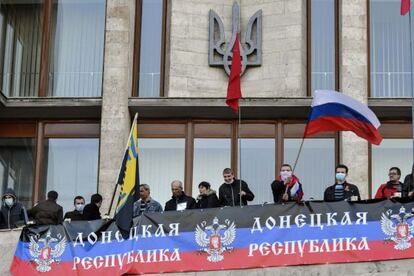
column 129, row 181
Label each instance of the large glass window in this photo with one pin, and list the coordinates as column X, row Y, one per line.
column 316, row 164
column 71, row 168
column 17, row 166
column 391, row 153
column 76, row 50
column 211, row 156
column 150, row 48
column 257, row 162
column 322, row 44
column 161, row 160
column 389, row 49
column 20, row 47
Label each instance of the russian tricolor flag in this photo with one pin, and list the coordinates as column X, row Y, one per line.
column 334, row 111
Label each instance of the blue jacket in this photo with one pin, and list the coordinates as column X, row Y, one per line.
column 151, row 206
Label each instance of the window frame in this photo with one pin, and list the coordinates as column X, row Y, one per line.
column 45, row 129
column 45, row 50
column 392, row 129
column 309, row 91
column 197, row 128
column 137, row 48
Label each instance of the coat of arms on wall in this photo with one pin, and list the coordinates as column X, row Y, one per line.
column 220, row 52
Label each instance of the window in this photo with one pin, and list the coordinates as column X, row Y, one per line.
column 257, row 162
column 316, row 164
column 76, row 48
column 389, row 50
column 161, row 160
column 71, row 168
column 211, row 157
column 16, row 167
column 323, row 44
column 52, row 48
column 149, row 52
column 20, row 47
column 391, row 153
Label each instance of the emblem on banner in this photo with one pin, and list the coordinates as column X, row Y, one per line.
column 397, row 228
column 46, row 255
column 212, row 242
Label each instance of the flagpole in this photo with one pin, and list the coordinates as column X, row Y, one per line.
column 126, row 148
column 412, row 80
column 300, row 148
column 240, row 164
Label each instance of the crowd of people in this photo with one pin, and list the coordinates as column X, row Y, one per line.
column 233, row 192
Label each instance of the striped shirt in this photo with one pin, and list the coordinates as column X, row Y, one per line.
column 339, row 192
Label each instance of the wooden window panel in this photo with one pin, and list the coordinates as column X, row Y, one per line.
column 296, row 130
column 396, row 130
column 75, row 130
column 257, row 131
column 160, row 130
column 17, row 129
column 219, row 130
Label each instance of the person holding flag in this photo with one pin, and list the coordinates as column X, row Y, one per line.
column 286, row 187
column 129, row 181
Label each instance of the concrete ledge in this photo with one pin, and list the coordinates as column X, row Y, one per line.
column 50, row 108
column 8, row 242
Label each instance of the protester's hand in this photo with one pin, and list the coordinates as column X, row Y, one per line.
column 243, row 193
column 68, row 220
column 411, row 193
column 30, row 222
column 287, row 180
column 285, row 197
column 106, row 217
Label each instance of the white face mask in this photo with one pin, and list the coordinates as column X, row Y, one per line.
column 9, row 202
column 79, row 207
column 285, row 174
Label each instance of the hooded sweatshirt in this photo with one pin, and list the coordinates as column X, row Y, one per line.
column 15, row 215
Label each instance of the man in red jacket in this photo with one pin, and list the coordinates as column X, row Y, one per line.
column 393, row 188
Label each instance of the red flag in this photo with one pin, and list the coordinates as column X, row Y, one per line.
column 405, row 6
column 233, row 88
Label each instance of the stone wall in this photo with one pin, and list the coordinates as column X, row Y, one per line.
column 115, row 121
column 353, row 69
column 8, row 242
column 283, row 70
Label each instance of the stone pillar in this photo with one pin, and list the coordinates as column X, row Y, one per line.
column 353, row 69
column 115, row 117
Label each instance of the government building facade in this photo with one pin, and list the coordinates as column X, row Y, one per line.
column 74, row 73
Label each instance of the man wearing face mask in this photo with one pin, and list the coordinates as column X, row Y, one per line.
column 13, row 213
column 286, row 187
column 341, row 190
column 77, row 214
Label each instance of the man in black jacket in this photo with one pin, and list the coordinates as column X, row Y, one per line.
column 91, row 211
column 230, row 192
column 13, row 214
column 341, row 190
column 47, row 211
column 77, row 214
column 179, row 201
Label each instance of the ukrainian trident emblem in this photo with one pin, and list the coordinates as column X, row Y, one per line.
column 220, row 52
column 211, row 240
column 46, row 255
column 397, row 228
